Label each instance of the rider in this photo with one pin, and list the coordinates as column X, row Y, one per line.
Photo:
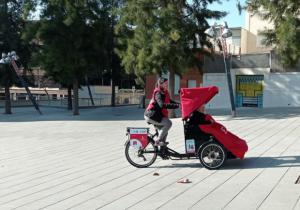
column 157, row 113
column 199, row 117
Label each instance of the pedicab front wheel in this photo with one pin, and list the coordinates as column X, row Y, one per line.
column 212, row 155
column 141, row 158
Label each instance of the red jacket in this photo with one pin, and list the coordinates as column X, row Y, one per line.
column 166, row 100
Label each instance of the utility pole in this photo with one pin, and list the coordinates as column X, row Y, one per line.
column 224, row 33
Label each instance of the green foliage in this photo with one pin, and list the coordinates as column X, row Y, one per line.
column 12, row 25
column 73, row 36
column 156, row 35
column 286, row 34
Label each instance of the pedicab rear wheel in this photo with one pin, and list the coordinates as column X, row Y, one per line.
column 212, row 155
column 141, row 158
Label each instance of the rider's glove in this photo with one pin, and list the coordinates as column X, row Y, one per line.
column 171, row 106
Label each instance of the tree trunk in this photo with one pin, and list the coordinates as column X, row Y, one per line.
column 113, row 92
column 70, row 97
column 7, row 99
column 89, row 89
column 75, row 99
column 114, row 73
column 172, row 113
column 113, row 59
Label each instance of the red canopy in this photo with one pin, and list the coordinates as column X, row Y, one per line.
column 193, row 98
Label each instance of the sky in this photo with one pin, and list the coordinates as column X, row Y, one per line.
column 233, row 18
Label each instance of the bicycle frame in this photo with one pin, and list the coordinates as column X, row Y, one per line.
column 139, row 139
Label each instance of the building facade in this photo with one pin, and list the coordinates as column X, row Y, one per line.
column 258, row 81
column 192, row 78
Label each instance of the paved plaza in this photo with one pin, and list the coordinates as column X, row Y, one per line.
column 60, row 161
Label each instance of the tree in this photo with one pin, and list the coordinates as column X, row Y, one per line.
column 114, row 60
column 12, row 25
column 73, row 36
column 157, row 36
column 7, row 78
column 286, row 33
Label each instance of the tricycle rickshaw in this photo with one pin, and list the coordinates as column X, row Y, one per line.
column 211, row 143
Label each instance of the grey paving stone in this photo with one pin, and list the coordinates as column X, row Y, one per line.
column 60, row 161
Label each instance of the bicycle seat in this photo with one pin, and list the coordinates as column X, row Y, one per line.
column 156, row 126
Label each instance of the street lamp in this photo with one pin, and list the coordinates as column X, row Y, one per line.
column 224, row 33
column 7, row 58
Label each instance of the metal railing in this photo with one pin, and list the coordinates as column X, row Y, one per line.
column 105, row 100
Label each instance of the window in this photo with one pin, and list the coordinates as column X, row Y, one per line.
column 192, row 83
column 236, row 41
column 177, row 84
column 259, row 41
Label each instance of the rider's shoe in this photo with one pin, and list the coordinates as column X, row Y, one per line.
column 161, row 143
column 164, row 157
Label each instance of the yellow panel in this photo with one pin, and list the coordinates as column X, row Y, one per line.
column 249, row 86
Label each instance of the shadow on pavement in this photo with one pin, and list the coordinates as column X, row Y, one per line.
column 247, row 163
column 179, row 165
column 258, row 113
column 263, row 162
column 133, row 113
column 29, row 114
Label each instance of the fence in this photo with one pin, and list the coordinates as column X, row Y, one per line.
column 216, row 63
column 259, row 60
column 104, row 100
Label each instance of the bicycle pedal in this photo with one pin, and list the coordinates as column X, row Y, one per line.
column 164, row 157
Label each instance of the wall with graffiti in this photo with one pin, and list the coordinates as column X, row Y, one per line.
column 249, row 90
column 256, row 88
